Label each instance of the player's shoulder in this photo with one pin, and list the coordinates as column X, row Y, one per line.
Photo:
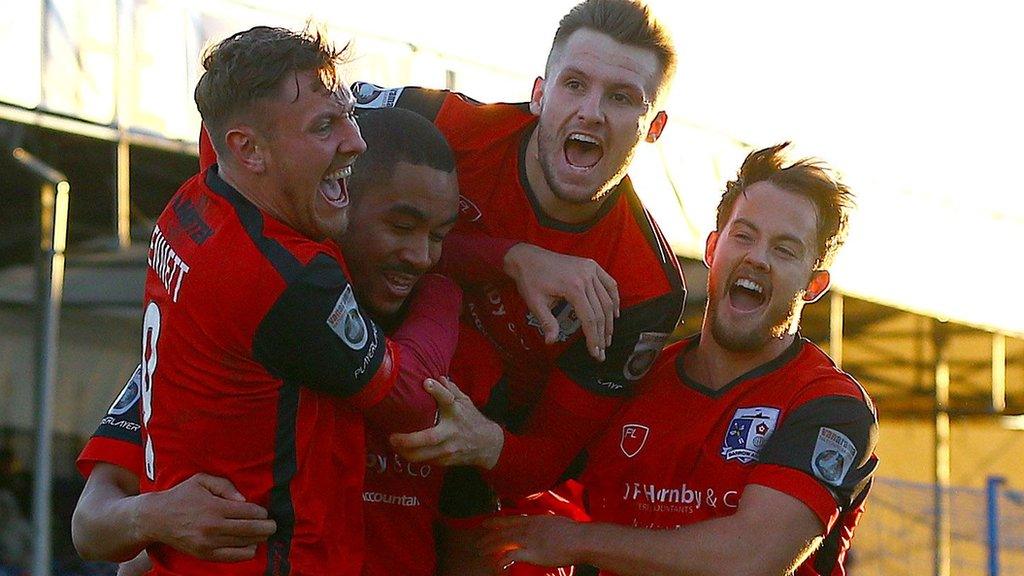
column 642, row 249
column 460, row 117
column 815, row 375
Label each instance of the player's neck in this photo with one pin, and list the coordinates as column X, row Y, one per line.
column 251, row 189
column 715, row 367
column 553, row 206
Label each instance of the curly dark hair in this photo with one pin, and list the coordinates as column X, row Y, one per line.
column 808, row 177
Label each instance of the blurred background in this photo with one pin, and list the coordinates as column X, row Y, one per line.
column 916, row 104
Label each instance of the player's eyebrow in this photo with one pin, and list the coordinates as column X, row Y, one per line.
column 787, row 237
column 406, row 209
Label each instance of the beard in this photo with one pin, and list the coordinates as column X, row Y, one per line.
column 547, row 146
column 776, row 323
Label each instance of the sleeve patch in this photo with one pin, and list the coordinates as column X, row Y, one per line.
column 645, row 352
column 346, row 321
column 372, row 96
column 568, row 322
column 129, row 395
column 834, row 454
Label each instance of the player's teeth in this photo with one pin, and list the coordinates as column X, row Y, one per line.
column 749, row 285
column 583, row 138
column 339, row 174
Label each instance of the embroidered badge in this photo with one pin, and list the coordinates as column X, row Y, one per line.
column 748, row 432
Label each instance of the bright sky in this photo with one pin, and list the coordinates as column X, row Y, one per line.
column 918, row 104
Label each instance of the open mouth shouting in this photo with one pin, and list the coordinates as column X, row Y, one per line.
column 747, row 295
column 582, row 151
column 333, row 187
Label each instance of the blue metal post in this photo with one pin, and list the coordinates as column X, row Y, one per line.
column 992, row 492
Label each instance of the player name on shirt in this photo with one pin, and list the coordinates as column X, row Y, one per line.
column 165, row 262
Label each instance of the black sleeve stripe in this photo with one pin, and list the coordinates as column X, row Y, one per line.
column 280, row 505
column 423, row 101
column 295, row 342
column 640, row 333
column 122, row 420
column 820, row 438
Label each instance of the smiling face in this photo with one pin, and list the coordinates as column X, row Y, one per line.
column 307, row 143
column 395, row 235
column 594, row 108
column 762, row 268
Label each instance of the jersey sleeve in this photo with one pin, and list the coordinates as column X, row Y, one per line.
column 426, row 341
column 118, row 438
column 580, row 396
column 641, row 331
column 316, row 335
column 424, row 101
column 822, row 454
column 474, row 258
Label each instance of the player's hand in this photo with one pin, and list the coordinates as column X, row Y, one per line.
column 545, row 540
column 544, row 277
column 205, row 517
column 463, row 436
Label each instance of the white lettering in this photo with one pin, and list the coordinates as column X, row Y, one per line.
column 116, row 423
column 368, row 357
column 693, row 498
column 166, row 264
column 395, row 499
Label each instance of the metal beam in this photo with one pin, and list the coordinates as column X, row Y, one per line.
column 998, row 373
column 62, row 123
column 942, row 527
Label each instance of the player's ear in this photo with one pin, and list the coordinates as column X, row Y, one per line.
column 709, row 248
column 537, row 96
column 818, row 285
column 657, row 125
column 243, row 147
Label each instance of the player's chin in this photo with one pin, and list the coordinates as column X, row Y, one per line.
column 332, row 222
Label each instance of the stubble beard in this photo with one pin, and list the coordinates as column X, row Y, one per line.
column 775, row 325
column 544, row 145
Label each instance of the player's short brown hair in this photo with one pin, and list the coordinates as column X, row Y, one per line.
column 808, row 177
column 627, row 21
column 250, row 66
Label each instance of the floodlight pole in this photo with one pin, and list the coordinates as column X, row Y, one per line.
column 123, row 93
column 53, row 227
column 942, row 525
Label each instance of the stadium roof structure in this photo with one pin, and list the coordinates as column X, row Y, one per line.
column 115, row 117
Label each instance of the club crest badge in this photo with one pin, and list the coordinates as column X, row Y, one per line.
column 645, row 352
column 634, row 436
column 748, row 432
column 833, row 456
column 568, row 322
column 129, row 394
column 346, row 321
